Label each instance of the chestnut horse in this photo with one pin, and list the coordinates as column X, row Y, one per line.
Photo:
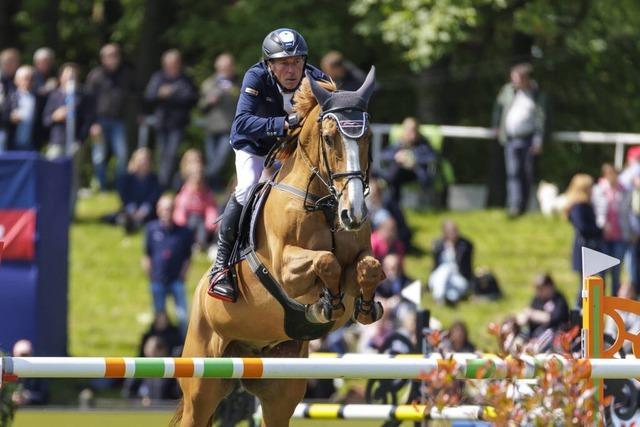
column 320, row 255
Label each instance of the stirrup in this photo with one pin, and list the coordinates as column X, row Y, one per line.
column 224, row 292
column 371, row 308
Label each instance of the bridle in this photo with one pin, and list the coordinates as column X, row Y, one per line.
column 328, row 204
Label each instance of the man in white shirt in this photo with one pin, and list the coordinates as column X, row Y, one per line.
column 520, row 119
column 23, row 114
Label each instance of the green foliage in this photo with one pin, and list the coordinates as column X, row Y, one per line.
column 7, row 406
column 440, row 60
column 426, row 29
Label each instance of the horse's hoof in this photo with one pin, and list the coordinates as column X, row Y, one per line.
column 336, row 311
column 367, row 312
column 318, row 312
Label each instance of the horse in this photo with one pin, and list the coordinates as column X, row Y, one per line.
column 313, row 237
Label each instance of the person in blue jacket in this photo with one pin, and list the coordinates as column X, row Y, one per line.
column 264, row 114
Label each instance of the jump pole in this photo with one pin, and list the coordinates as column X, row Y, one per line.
column 330, row 411
column 291, row 368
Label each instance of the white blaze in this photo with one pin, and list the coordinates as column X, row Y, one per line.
column 355, row 189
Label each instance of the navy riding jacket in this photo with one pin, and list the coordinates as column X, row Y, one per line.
column 260, row 114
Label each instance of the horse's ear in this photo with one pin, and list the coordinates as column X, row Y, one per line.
column 367, row 88
column 320, row 93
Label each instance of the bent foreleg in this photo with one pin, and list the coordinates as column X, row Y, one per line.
column 305, row 266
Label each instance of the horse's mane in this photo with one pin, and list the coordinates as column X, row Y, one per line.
column 304, row 99
column 304, row 103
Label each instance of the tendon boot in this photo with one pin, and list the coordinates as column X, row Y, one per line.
column 222, row 286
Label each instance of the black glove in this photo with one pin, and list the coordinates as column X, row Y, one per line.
column 293, row 120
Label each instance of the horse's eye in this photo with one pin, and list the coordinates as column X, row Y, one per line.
column 327, row 139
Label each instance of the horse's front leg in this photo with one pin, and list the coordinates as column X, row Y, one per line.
column 306, row 266
column 369, row 274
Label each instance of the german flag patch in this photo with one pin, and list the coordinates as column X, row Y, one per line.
column 251, row 91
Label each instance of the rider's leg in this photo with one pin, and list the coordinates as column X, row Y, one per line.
column 248, row 170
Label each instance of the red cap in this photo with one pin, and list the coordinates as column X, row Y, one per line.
column 633, row 153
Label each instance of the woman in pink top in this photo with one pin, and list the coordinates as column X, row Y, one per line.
column 612, row 206
column 385, row 240
column 196, row 207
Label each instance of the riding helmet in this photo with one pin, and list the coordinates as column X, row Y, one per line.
column 284, row 43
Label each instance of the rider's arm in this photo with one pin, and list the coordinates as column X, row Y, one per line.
column 247, row 121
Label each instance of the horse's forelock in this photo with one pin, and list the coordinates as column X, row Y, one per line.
column 304, row 99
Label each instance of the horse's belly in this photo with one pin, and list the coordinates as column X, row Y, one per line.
column 255, row 317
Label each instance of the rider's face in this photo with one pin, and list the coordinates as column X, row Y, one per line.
column 288, row 71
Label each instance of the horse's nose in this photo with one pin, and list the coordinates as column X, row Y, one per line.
column 351, row 219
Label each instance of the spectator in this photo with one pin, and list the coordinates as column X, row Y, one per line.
column 163, row 328
column 453, row 265
column 631, row 257
column 23, row 111
column 30, row 391
column 457, row 339
column 344, row 74
column 167, row 258
column 196, row 207
column 218, row 98
column 579, row 211
column 56, row 113
column 548, row 309
column 150, row 389
column 410, row 159
column 632, row 171
column 139, row 191
column 190, row 157
column 44, row 77
column 520, row 118
column 172, row 94
column 630, row 320
column 612, row 205
column 381, row 207
column 396, row 280
column 109, row 84
column 45, row 81
column 9, row 63
column 511, row 338
column 385, row 240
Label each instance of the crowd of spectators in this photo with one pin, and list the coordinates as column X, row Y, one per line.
column 38, row 104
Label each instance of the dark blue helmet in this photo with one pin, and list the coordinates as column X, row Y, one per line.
column 284, row 43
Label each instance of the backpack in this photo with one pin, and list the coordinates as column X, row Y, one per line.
column 485, row 285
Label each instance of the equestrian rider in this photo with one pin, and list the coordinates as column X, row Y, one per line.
column 264, row 114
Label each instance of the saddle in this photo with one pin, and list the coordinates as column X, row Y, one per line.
column 296, row 324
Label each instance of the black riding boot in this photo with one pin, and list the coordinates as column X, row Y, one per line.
column 222, row 285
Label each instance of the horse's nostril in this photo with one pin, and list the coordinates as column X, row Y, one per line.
column 344, row 215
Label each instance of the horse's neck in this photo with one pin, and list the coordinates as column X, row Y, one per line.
column 296, row 170
column 297, row 173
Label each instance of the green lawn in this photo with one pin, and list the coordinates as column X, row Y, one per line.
column 110, row 304
column 142, row 419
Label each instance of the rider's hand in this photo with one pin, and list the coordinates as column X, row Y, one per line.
column 292, row 121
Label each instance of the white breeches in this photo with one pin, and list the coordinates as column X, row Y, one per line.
column 248, row 172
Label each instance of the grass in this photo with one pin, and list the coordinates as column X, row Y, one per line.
column 110, row 303
column 515, row 250
column 140, row 419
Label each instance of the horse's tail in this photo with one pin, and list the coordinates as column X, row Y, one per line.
column 177, row 417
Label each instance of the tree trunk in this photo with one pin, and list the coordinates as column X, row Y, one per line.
column 9, row 33
column 158, row 16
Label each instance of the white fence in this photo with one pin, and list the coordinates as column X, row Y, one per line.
column 379, row 130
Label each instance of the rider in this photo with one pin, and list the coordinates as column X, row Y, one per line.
column 263, row 115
